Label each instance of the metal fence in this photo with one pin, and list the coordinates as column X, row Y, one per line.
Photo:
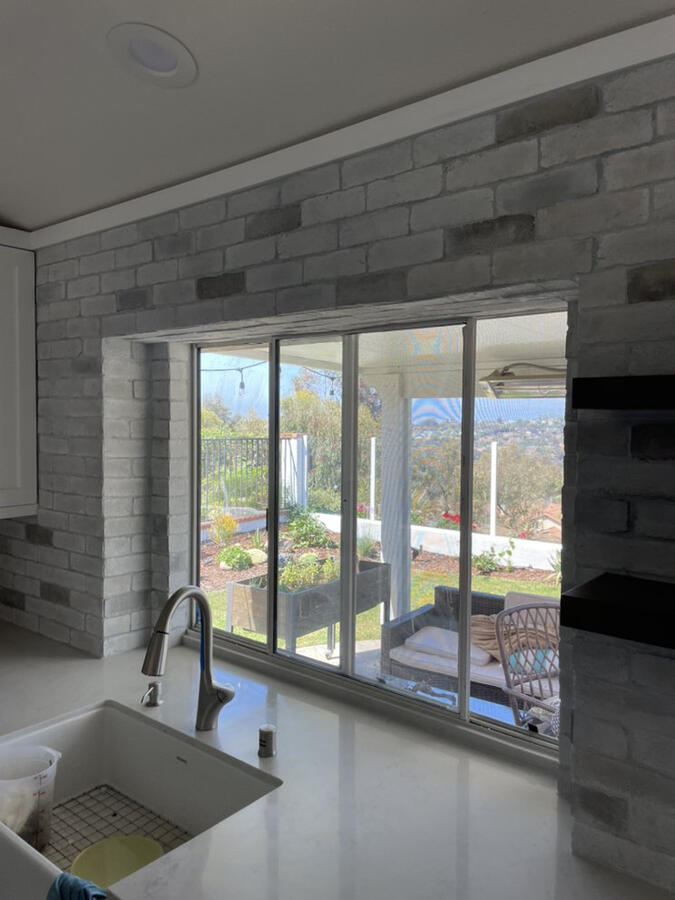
column 233, row 473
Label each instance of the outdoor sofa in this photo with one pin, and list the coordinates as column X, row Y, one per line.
column 421, row 645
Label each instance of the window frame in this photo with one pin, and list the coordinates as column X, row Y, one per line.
column 266, row 653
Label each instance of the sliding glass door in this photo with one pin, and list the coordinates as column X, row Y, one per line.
column 410, row 479
column 234, row 483
column 519, row 416
column 309, row 516
column 407, row 512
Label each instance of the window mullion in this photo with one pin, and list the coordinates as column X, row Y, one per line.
column 273, row 497
column 466, row 512
column 350, row 362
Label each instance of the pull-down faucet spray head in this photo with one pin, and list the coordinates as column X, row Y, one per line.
column 155, row 656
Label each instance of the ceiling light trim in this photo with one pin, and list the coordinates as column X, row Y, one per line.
column 623, row 50
column 129, row 42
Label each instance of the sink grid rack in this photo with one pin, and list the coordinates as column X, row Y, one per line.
column 100, row 813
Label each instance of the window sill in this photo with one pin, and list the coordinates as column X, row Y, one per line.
column 480, row 734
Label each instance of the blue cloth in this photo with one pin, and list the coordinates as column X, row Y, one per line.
column 528, row 662
column 70, row 887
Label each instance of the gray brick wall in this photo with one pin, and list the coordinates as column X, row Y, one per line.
column 575, row 185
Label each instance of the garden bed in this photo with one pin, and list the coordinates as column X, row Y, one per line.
column 213, row 578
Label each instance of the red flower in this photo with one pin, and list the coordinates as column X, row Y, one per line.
column 523, row 534
column 452, row 517
column 474, row 527
column 446, row 515
column 361, row 507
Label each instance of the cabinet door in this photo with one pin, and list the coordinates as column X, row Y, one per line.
column 18, row 445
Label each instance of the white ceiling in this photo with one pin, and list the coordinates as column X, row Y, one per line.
column 80, row 132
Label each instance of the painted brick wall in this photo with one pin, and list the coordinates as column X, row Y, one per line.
column 577, row 185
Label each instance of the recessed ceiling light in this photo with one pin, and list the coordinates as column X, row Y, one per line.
column 153, row 54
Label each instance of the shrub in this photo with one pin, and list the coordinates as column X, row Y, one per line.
column 490, row 560
column 324, row 500
column 235, row 557
column 366, row 547
column 258, row 540
column 307, row 531
column 223, row 528
column 487, row 562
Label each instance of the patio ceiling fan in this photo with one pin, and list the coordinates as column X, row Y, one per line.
column 536, row 381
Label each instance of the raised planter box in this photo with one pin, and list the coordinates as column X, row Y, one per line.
column 310, row 609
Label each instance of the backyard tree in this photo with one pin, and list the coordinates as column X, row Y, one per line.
column 434, row 474
column 312, row 411
column 212, row 425
column 526, row 483
column 250, row 425
column 215, row 404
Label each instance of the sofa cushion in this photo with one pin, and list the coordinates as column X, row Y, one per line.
column 443, row 642
column 492, row 674
column 484, row 634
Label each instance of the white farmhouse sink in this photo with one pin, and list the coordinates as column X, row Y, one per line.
column 181, row 779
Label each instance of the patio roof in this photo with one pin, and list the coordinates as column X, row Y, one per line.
column 428, row 360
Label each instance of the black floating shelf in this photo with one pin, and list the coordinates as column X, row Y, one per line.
column 634, row 392
column 623, row 606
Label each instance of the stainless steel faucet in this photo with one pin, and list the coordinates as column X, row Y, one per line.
column 212, row 697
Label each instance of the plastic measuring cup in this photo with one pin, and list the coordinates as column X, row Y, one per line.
column 27, row 776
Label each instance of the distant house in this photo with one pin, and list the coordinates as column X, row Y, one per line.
column 549, row 524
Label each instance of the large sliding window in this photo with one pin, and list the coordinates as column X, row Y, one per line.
column 387, row 504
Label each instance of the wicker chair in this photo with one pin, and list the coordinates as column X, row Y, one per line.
column 529, row 639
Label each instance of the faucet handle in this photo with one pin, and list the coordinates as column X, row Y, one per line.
column 153, row 695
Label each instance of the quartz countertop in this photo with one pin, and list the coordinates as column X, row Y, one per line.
column 369, row 808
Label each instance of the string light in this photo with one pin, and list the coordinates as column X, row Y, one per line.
column 331, row 378
column 242, row 369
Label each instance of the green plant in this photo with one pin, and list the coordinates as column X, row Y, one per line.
column 555, row 561
column 307, row 531
column 258, row 540
column 298, row 574
column 366, row 547
column 307, row 571
column 489, row 561
column 223, row 528
column 330, row 570
column 506, row 556
column 235, row 557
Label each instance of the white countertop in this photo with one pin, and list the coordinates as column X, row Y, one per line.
column 368, row 808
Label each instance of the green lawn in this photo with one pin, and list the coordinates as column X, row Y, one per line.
column 422, row 585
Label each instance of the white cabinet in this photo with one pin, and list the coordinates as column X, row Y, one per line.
column 18, row 443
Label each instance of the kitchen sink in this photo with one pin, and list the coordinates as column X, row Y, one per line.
column 180, row 780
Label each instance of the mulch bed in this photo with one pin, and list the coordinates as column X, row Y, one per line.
column 436, row 562
column 213, row 578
